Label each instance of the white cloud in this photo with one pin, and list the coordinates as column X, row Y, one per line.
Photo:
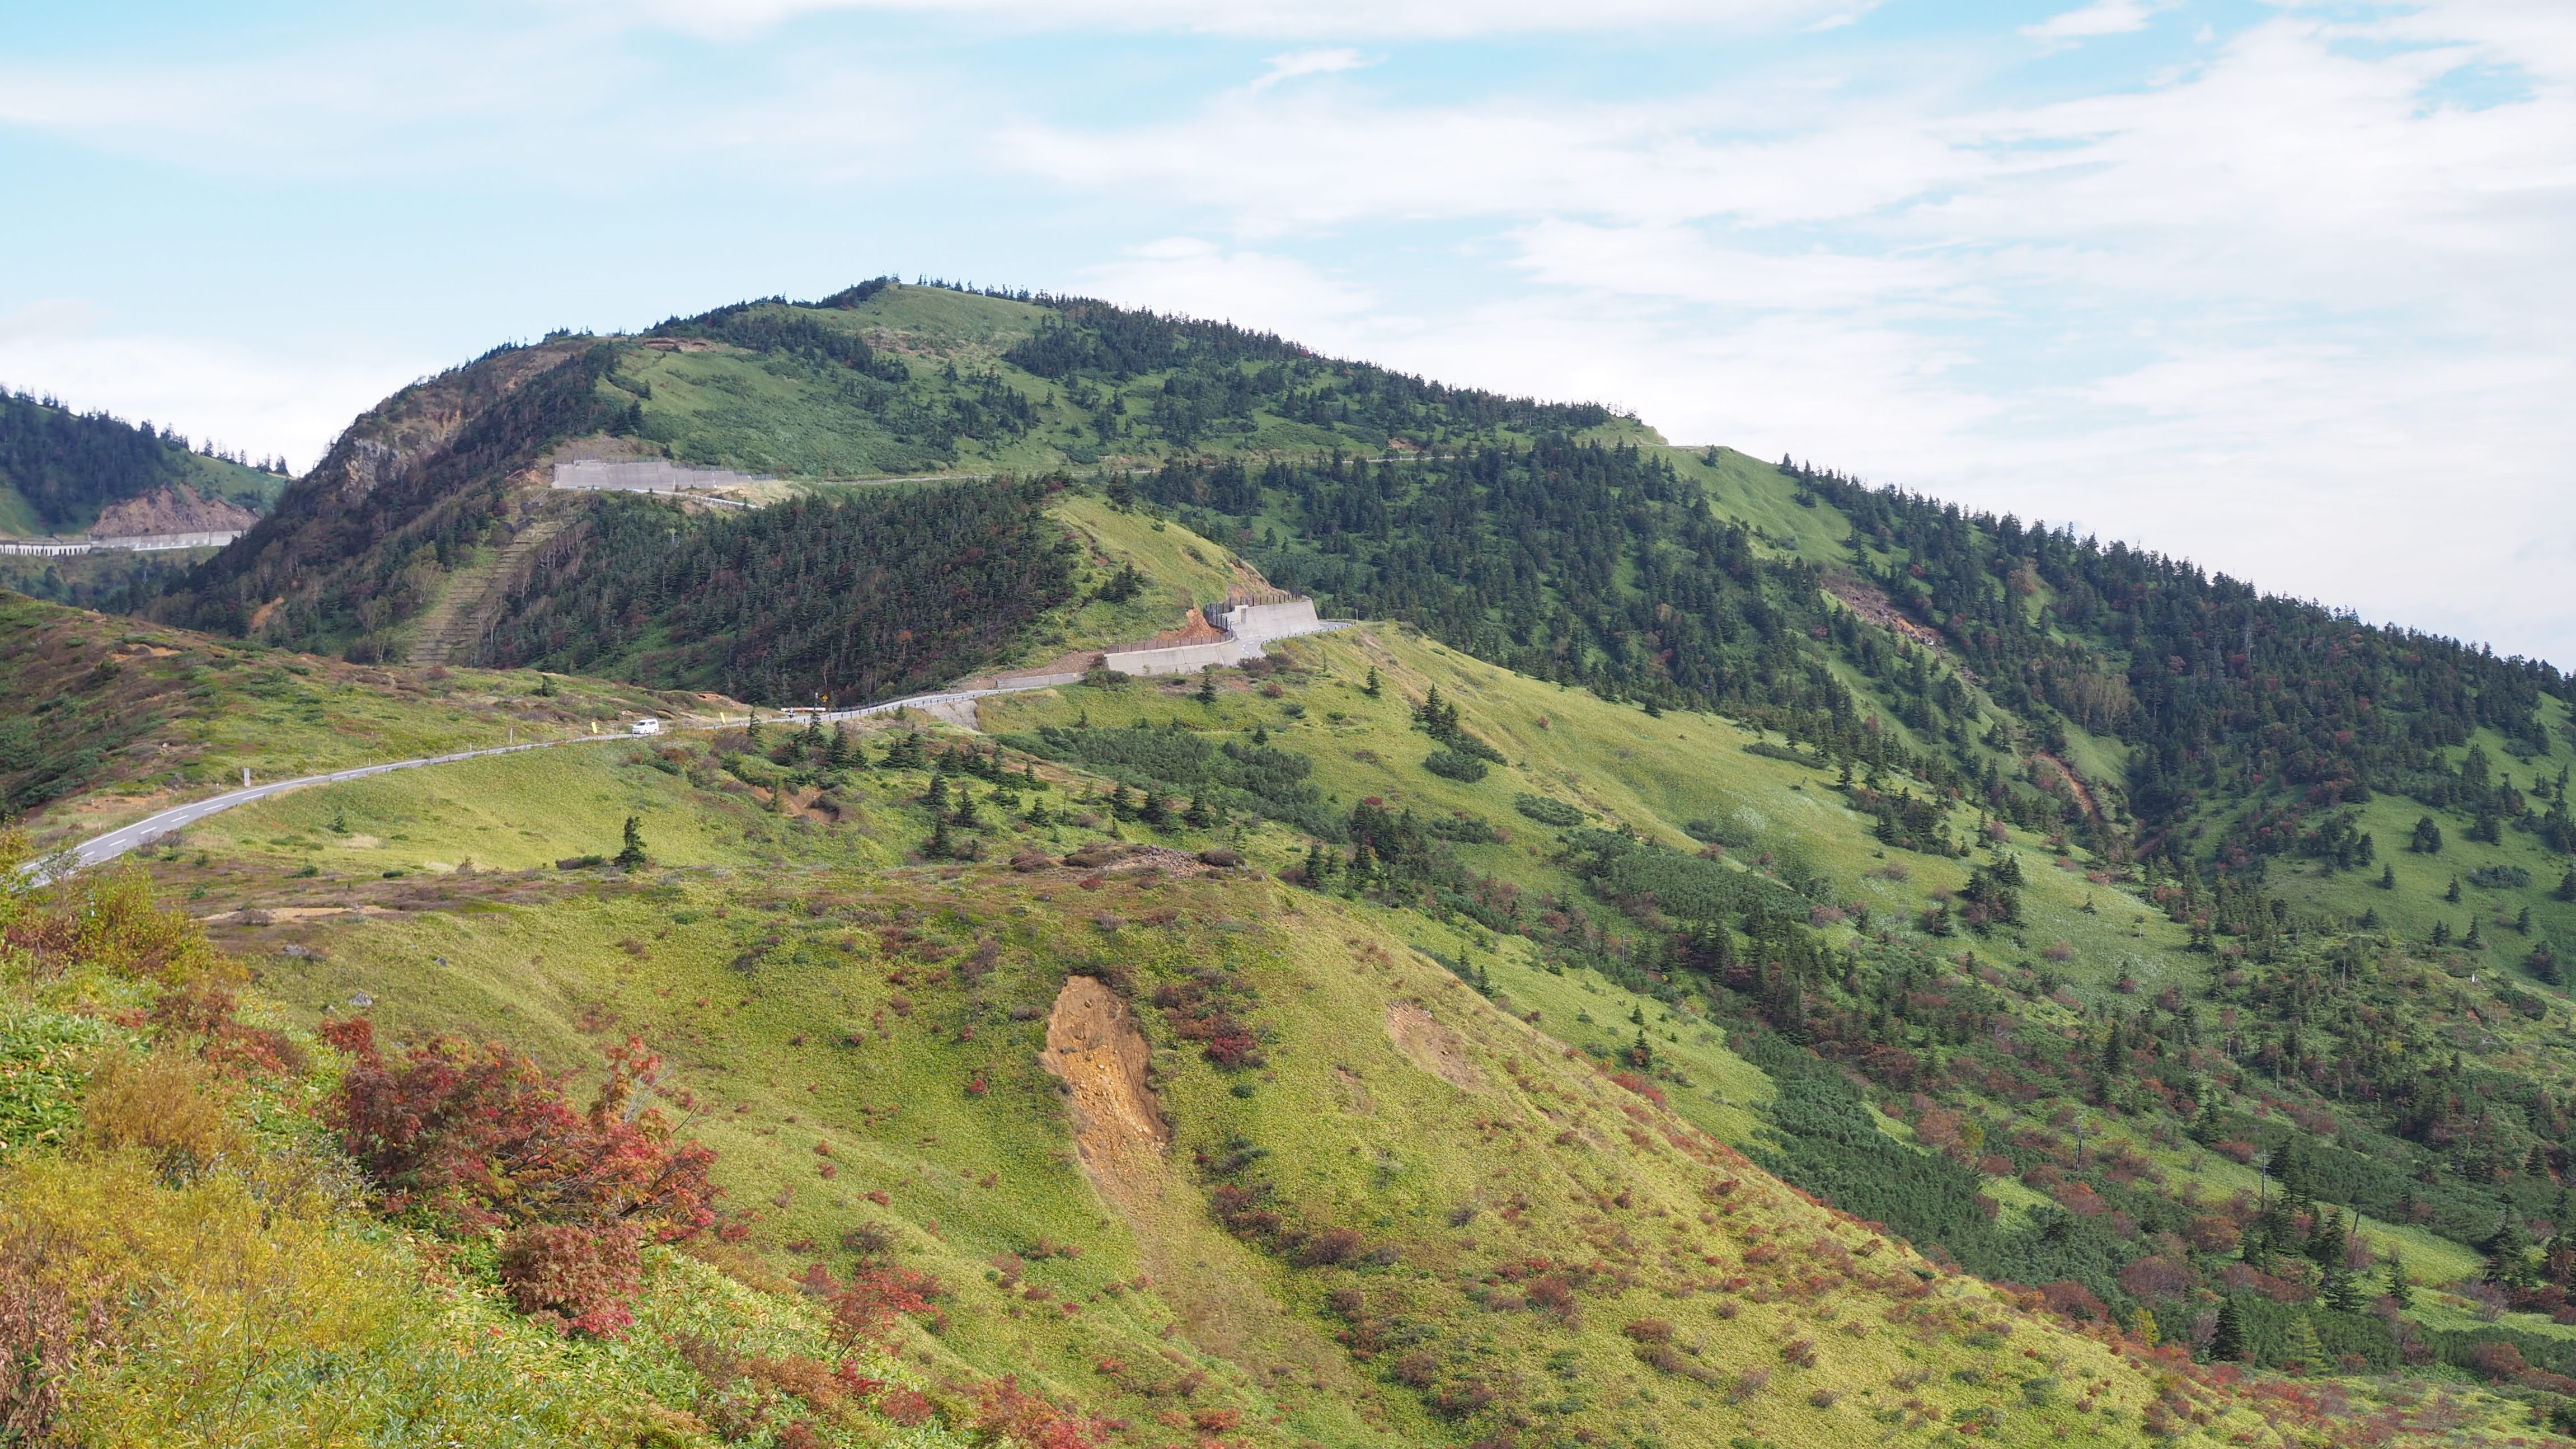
column 1682, row 264
column 1307, row 62
column 235, row 397
column 1424, row 19
column 1198, row 278
column 2102, row 17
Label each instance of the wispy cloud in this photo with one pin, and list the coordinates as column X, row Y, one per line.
column 1420, row 19
column 1307, row 62
column 2102, row 17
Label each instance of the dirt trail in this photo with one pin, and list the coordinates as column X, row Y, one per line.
column 1433, row 1047
column 2074, row 782
column 1118, row 1127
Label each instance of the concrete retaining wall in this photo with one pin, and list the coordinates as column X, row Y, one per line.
column 120, row 543
column 1267, row 621
column 1184, row 659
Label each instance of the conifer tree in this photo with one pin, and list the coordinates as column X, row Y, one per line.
column 2566, row 887
column 2400, row 1292
column 2388, row 877
column 1198, row 816
column 1319, row 865
column 2508, row 1254
column 2305, row 1350
column 632, row 856
column 2227, row 1344
column 1373, row 688
column 841, row 754
column 1207, row 688
column 2452, row 896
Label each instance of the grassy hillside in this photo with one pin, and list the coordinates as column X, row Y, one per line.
column 1452, row 1155
column 109, row 719
column 890, row 379
column 860, row 1048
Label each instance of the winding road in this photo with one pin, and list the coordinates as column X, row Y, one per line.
column 104, row 848
column 101, row 849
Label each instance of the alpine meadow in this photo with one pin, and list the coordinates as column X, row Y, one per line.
column 995, row 868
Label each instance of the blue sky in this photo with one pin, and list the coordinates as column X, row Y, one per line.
column 2282, row 287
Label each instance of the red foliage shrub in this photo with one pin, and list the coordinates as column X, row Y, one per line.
column 1648, row 1330
column 2081, row 1200
column 2212, row 1232
column 877, row 1298
column 1639, row 1085
column 2241, row 1277
column 1195, row 1015
column 2069, row 1299
column 576, row 1278
column 2157, row 1278
column 1553, row 1293
column 201, row 1013
column 1007, row 1413
column 909, row 1408
column 483, row 1137
column 1329, row 1247
column 2498, row 1361
column 39, row 1332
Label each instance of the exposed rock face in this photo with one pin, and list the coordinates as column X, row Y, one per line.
column 174, row 508
column 1094, row 1046
column 1431, row 1046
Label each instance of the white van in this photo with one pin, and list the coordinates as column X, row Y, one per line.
column 645, row 726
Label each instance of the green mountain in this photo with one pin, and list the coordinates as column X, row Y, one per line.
column 1721, row 955
column 60, row 469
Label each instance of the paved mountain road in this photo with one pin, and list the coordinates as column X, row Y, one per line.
column 104, row 848
column 101, row 849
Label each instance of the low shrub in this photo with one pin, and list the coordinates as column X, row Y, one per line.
column 1453, row 765
column 574, row 1279
column 165, row 1106
column 480, row 1137
column 1546, row 811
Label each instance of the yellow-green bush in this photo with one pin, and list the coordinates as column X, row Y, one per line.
column 207, row 1316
